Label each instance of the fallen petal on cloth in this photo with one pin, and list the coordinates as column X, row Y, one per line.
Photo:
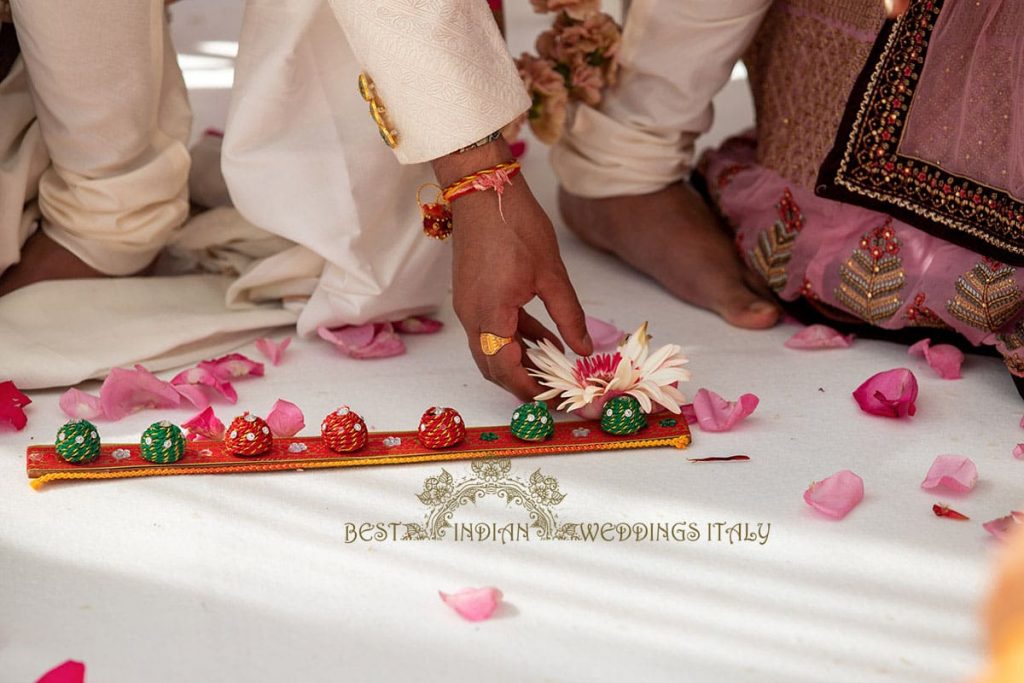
column 373, row 340
column 714, row 414
column 888, row 394
column 232, row 366
column 941, row 510
column 205, row 425
column 944, row 359
column 605, row 336
column 952, row 472
column 80, row 405
column 68, row 672
column 418, row 324
column 819, row 337
column 273, row 351
column 194, row 394
column 1002, row 527
column 835, row 496
column 207, row 374
column 285, row 419
column 12, row 401
column 473, row 604
column 128, row 391
column 1018, row 451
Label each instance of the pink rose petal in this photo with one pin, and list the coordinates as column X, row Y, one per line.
column 80, row 405
column 945, row 359
column 418, row 324
column 207, row 374
column 715, row 414
column 194, row 394
column 835, row 496
column 285, row 419
column 232, row 366
column 889, row 394
column 272, row 350
column 606, row 337
column 952, row 472
column 128, row 391
column 205, row 425
column 12, row 417
column 373, row 340
column 1002, row 527
column 68, row 672
column 819, row 337
column 1018, row 451
column 473, row 604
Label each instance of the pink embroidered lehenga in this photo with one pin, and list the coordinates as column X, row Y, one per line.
column 885, row 181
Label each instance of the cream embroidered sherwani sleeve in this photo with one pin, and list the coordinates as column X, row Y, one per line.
column 440, row 68
column 676, row 55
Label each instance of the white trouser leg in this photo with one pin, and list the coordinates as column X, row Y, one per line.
column 23, row 159
column 675, row 58
column 113, row 112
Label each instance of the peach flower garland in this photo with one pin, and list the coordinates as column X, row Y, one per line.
column 576, row 60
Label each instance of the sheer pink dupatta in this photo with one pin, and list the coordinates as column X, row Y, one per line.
column 934, row 131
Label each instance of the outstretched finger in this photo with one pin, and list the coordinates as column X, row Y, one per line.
column 563, row 306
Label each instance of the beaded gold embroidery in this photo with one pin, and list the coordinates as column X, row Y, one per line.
column 775, row 245
column 870, row 281
column 987, row 296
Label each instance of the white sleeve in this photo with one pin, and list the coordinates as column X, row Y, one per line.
column 440, row 67
column 675, row 56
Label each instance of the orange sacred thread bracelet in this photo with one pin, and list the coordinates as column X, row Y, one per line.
column 437, row 215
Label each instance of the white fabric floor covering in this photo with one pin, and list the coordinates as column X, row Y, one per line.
column 249, row 577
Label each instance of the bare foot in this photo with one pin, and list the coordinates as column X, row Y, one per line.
column 672, row 236
column 43, row 259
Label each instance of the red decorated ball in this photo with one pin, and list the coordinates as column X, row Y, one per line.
column 343, row 430
column 248, row 435
column 441, row 428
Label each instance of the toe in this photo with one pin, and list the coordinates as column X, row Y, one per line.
column 741, row 307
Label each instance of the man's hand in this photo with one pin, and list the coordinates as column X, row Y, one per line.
column 500, row 265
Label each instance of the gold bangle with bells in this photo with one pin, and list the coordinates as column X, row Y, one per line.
column 490, row 344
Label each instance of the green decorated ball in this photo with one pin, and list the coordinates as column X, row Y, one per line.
column 622, row 416
column 78, row 441
column 162, row 443
column 532, row 422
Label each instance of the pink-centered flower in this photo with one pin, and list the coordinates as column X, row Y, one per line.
column 650, row 378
